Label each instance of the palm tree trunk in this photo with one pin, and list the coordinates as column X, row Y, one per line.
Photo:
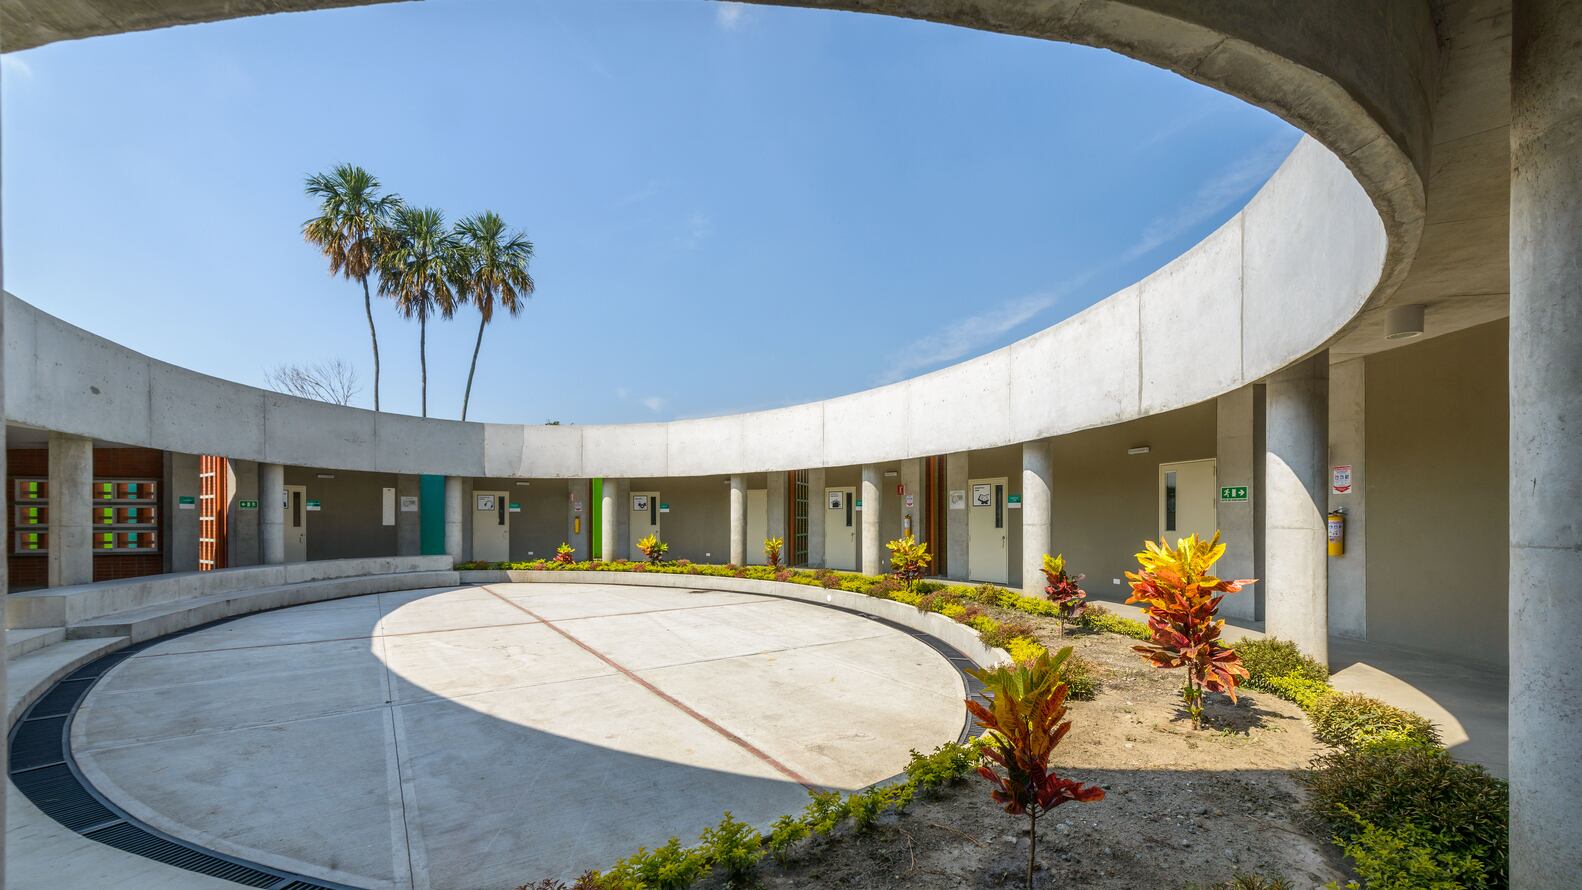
column 422, row 356
column 467, row 396
column 368, row 306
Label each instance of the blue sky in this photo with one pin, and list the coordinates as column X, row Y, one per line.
column 734, row 207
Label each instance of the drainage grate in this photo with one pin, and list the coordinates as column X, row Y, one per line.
column 42, row 769
column 134, row 840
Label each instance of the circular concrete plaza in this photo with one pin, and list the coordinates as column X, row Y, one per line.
column 488, row 736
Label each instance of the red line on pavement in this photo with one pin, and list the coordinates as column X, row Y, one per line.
column 679, row 705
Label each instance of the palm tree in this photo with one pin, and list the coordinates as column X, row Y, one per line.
column 351, row 213
column 494, row 267
column 419, row 268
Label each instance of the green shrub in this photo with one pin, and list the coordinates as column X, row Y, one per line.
column 1026, row 649
column 866, row 807
column 1301, row 690
column 1096, row 617
column 733, row 847
column 1408, row 857
column 671, row 867
column 1404, row 783
column 825, row 811
column 1082, row 683
column 786, row 832
column 945, row 765
column 1350, row 720
column 1247, row 882
column 1267, row 660
column 1005, row 631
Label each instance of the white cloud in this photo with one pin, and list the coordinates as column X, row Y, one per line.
column 698, row 227
column 11, row 66
column 729, row 15
column 653, row 403
column 1212, row 198
column 966, row 336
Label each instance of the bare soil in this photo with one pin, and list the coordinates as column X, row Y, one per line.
column 1181, row 807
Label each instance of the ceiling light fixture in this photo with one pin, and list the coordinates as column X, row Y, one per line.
column 1138, row 449
column 1404, row 322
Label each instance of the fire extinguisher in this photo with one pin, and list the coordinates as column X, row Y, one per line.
column 1337, row 531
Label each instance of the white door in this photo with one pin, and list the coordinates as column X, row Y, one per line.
column 1187, row 492
column 757, row 525
column 296, row 523
column 840, row 528
column 644, row 506
column 988, row 547
column 491, row 526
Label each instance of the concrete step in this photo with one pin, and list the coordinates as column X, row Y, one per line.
column 154, row 621
column 31, row 675
column 21, row 641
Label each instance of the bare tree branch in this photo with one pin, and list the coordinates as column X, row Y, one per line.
column 333, row 381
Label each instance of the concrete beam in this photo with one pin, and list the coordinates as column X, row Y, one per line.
column 182, row 528
column 1348, row 574
column 1235, row 464
column 817, row 515
column 956, row 534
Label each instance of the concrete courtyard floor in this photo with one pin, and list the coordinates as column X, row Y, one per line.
column 1467, row 702
column 490, row 736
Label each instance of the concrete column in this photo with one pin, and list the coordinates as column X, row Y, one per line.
column 272, row 513
column 409, row 525
column 912, row 485
column 612, row 531
column 182, row 479
column 777, row 512
column 1545, row 442
column 738, row 520
column 70, row 510
column 873, row 561
column 1296, row 438
column 242, row 526
column 1236, row 457
column 956, row 520
column 1037, row 514
column 817, row 515
column 455, row 499
column 1348, row 577
column 579, row 518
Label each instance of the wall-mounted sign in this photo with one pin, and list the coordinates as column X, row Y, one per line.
column 639, row 503
column 958, row 499
column 187, row 502
column 664, row 508
column 859, row 503
column 910, row 500
column 485, row 503
column 387, row 506
column 408, row 504
column 1340, row 479
column 837, row 500
column 1013, row 499
column 247, row 505
column 1233, row 492
column 313, row 504
column 515, row 508
column 983, row 495
column 900, row 489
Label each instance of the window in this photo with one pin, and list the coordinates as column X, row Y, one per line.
column 125, row 516
column 1170, row 500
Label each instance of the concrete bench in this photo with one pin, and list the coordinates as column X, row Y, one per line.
column 68, row 606
column 164, row 618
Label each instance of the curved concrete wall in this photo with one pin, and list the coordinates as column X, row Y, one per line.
column 1269, row 287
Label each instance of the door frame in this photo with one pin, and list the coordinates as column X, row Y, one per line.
column 1003, row 506
column 848, row 520
column 1173, row 534
column 299, row 546
column 502, row 517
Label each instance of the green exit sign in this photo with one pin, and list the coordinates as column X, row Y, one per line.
column 1233, row 493
column 247, row 505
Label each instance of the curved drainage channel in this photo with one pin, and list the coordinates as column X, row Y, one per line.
column 41, row 766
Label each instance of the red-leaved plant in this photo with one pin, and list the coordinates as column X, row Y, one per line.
column 565, row 554
column 1182, row 600
column 1062, row 590
column 1023, row 722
